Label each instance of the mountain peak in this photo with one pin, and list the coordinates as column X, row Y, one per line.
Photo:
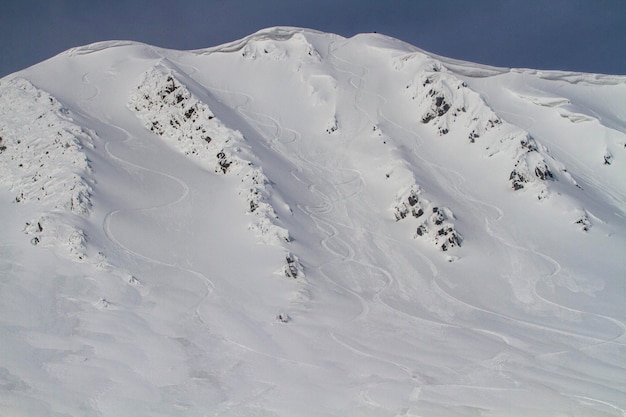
column 302, row 223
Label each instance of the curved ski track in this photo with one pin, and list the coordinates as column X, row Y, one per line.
column 210, row 286
column 341, row 250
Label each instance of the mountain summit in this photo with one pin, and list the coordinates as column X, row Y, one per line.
column 298, row 223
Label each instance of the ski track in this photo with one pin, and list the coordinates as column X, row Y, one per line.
column 248, row 115
column 356, row 81
column 595, row 342
column 365, row 308
column 359, row 87
column 597, row 401
column 434, row 271
column 557, row 268
column 331, row 232
column 210, row 286
column 106, row 224
column 332, row 242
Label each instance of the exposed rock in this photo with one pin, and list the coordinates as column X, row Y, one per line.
column 167, row 108
column 283, row 318
column 44, row 161
column 444, row 100
column 292, row 268
column 584, row 222
column 437, row 227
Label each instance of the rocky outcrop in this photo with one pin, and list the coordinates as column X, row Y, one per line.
column 434, row 223
column 43, row 160
column 167, row 108
column 447, row 104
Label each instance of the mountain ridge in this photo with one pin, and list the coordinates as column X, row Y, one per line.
column 297, row 222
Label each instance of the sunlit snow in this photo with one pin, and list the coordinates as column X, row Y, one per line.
column 299, row 224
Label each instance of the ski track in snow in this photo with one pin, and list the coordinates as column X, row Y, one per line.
column 332, row 242
column 458, row 186
column 277, row 134
column 338, row 247
column 331, row 232
column 359, row 86
column 596, row 401
column 346, row 257
column 210, row 286
column 106, row 225
column 240, row 108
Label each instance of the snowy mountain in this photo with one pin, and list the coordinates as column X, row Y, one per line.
column 302, row 224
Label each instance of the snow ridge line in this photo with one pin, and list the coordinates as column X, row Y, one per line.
column 167, row 108
column 42, row 161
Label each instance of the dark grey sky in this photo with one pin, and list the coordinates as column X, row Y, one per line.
column 578, row 35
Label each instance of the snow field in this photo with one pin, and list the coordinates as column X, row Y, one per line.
column 333, row 303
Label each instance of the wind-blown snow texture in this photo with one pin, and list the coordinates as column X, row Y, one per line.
column 301, row 224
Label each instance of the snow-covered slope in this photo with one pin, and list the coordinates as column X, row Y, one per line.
column 302, row 224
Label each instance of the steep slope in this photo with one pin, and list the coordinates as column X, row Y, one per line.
column 301, row 224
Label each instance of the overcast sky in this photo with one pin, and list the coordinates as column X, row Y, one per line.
column 578, row 35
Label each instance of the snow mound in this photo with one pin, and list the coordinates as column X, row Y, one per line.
column 281, row 46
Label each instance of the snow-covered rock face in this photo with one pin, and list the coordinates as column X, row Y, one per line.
column 301, row 224
column 43, row 163
column 168, row 109
column 434, row 223
column 41, row 149
column 446, row 103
